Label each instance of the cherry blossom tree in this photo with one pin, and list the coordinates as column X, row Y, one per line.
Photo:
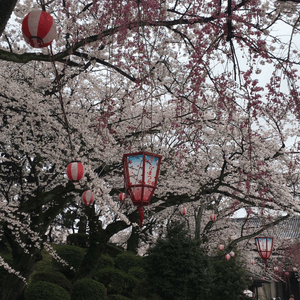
column 212, row 86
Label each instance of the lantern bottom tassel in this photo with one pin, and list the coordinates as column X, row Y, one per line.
column 141, row 215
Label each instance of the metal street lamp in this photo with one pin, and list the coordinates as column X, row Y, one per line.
column 264, row 247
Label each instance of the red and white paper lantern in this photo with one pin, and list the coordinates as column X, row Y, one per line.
column 232, row 254
column 213, row 217
column 88, row 197
column 221, row 247
column 122, row 197
column 39, row 29
column 182, row 210
column 252, row 262
column 227, row 256
column 276, row 269
column 75, row 171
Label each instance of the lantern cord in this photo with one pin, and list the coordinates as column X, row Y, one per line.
column 61, row 99
column 141, row 215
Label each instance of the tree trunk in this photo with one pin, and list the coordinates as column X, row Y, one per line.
column 6, row 8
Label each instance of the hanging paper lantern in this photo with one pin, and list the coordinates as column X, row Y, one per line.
column 276, row 269
column 264, row 247
column 182, row 210
column 287, row 273
column 122, row 197
column 39, row 29
column 141, row 171
column 227, row 256
column 232, row 254
column 75, row 171
column 213, row 217
column 252, row 262
column 88, row 197
column 221, row 247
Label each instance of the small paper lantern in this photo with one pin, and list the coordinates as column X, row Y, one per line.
column 276, row 269
column 88, row 197
column 221, row 247
column 39, row 29
column 227, row 256
column 287, row 273
column 122, row 197
column 232, row 254
column 213, row 217
column 252, row 262
column 182, row 210
column 75, row 171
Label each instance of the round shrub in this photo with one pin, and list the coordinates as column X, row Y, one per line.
column 137, row 272
column 43, row 290
column 116, row 281
column 53, row 277
column 105, row 261
column 88, row 289
column 117, row 297
column 73, row 255
column 127, row 260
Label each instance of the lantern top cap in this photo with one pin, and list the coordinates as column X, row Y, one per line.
column 142, row 153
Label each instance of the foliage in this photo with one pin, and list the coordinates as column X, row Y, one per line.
column 137, row 272
column 53, row 277
column 88, row 289
column 213, row 86
column 177, row 268
column 127, row 260
column 73, row 255
column 105, row 261
column 117, row 297
column 115, row 280
column 42, row 290
column 78, row 239
column 228, row 279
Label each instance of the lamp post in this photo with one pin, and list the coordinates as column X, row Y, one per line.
column 264, row 247
column 141, row 171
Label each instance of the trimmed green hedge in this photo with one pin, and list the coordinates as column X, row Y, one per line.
column 117, row 297
column 73, row 255
column 116, row 281
column 88, row 289
column 105, row 261
column 127, row 260
column 53, row 277
column 43, row 290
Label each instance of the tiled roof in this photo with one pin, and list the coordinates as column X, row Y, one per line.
column 287, row 229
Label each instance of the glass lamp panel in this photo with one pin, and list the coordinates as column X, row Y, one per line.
column 151, row 169
column 135, row 169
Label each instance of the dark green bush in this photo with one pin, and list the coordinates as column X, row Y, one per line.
column 127, row 260
column 137, row 272
column 105, row 261
column 78, row 239
column 88, row 289
column 53, row 277
column 73, row 255
column 116, row 281
column 43, row 290
column 177, row 268
column 117, row 297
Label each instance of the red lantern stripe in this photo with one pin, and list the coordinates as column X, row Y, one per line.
column 39, row 29
column 75, row 171
column 88, row 197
